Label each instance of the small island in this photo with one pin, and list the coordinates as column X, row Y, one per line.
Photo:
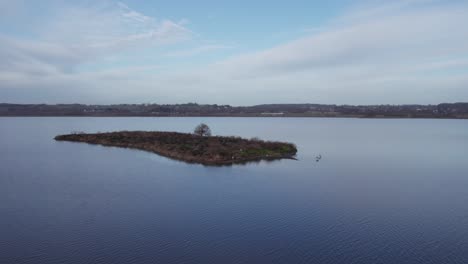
column 199, row 147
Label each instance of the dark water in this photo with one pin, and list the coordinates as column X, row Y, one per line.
column 385, row 191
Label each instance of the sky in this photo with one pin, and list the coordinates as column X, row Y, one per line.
column 234, row 52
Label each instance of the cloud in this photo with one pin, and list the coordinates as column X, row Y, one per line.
column 403, row 52
column 110, row 26
column 404, row 38
column 198, row 50
column 413, row 52
column 132, row 14
column 79, row 34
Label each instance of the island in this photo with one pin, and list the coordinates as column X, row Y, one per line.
column 192, row 148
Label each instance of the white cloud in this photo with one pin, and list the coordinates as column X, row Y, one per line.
column 404, row 52
column 132, row 14
column 397, row 39
column 112, row 26
column 404, row 55
column 79, row 34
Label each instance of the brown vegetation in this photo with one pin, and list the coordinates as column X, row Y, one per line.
column 189, row 147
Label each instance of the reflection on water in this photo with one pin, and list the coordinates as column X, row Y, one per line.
column 361, row 191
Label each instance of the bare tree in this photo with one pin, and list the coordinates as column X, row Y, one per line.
column 202, row 130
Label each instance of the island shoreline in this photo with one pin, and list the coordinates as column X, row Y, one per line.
column 190, row 148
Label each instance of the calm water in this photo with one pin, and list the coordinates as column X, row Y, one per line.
column 385, row 191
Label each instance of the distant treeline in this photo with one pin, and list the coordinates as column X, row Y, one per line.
column 447, row 110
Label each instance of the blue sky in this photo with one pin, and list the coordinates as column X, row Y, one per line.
column 233, row 52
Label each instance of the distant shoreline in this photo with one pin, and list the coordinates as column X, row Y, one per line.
column 235, row 116
column 440, row 111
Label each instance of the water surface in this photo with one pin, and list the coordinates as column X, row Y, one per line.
column 385, row 191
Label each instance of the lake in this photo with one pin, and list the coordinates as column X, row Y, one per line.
column 385, row 191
